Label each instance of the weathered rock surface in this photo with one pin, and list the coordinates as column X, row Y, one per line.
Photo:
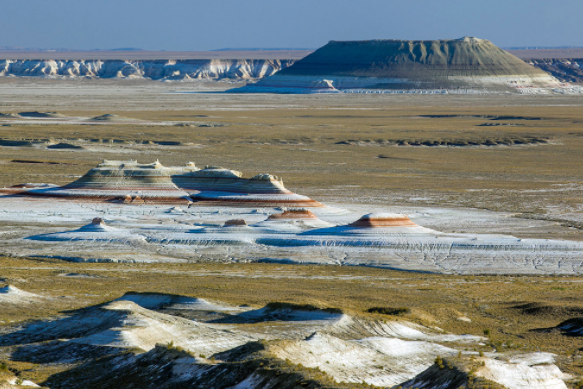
column 155, row 69
column 383, row 220
column 141, row 340
column 133, row 183
column 564, row 69
column 467, row 65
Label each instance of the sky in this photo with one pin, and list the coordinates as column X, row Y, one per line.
column 193, row 25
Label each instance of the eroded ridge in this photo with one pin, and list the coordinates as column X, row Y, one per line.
column 166, row 341
column 130, row 182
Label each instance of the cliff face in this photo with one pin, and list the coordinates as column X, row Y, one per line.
column 464, row 65
column 155, row 69
column 564, row 69
column 336, row 66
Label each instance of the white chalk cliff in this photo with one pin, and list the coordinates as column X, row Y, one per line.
column 214, row 69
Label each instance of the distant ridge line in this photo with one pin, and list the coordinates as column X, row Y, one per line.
column 541, row 47
column 264, row 49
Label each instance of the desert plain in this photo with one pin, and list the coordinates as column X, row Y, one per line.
column 474, row 165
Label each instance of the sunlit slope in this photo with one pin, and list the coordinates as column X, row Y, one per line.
column 467, row 63
column 412, row 59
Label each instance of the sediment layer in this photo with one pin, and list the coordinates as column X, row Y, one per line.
column 463, row 65
column 383, row 220
column 564, row 69
column 133, row 183
column 155, row 69
column 293, row 214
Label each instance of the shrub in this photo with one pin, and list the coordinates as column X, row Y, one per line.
column 389, row 310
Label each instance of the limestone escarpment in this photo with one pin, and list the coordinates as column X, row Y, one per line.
column 466, row 65
column 214, row 69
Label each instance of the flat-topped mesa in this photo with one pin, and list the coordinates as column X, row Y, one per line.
column 125, row 181
column 383, row 220
column 467, row 65
column 216, row 178
column 130, row 174
column 133, row 183
column 217, row 184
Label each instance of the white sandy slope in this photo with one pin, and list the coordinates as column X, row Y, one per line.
column 532, row 371
column 359, row 328
column 523, row 375
column 92, row 233
column 15, row 384
column 346, row 348
column 157, row 301
column 376, row 361
column 143, row 329
column 12, row 295
column 306, row 84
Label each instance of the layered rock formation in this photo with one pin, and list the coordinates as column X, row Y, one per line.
column 564, row 69
column 125, row 181
column 462, row 65
column 294, row 218
column 533, row 371
column 155, row 69
column 294, row 214
column 218, row 185
column 133, row 183
column 440, row 64
column 380, row 220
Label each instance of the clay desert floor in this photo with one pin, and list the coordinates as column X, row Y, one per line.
column 473, row 165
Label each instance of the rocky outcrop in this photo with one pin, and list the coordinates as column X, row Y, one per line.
column 216, row 185
column 440, row 65
column 123, row 181
column 467, row 65
column 292, row 214
column 442, row 58
column 481, row 373
column 213, row 69
column 373, row 220
column 564, row 69
column 133, row 183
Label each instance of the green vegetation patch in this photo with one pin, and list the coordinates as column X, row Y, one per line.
column 389, row 310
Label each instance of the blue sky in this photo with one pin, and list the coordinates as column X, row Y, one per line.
column 213, row 24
